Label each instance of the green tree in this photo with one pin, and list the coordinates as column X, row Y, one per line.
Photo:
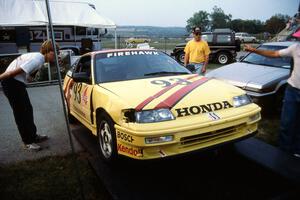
column 219, row 19
column 200, row 19
column 250, row 26
column 276, row 23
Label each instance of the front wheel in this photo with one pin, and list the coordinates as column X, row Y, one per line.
column 106, row 138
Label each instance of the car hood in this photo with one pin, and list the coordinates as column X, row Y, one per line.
column 243, row 74
column 167, row 92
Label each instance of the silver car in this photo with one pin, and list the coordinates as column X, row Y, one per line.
column 263, row 78
column 245, row 37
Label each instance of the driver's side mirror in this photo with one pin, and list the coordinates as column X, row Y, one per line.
column 81, row 77
column 191, row 67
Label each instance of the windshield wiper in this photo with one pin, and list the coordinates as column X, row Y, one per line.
column 165, row 73
column 269, row 65
column 244, row 61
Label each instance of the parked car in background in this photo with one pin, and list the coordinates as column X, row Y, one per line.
column 222, row 44
column 245, row 37
column 144, row 105
column 137, row 40
column 263, row 78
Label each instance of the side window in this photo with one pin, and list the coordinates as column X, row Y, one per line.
column 207, row 38
column 223, row 38
column 84, row 66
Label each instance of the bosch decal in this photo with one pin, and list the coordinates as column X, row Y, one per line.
column 206, row 108
column 125, row 137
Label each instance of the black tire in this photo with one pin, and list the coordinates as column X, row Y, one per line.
column 223, row 58
column 180, row 57
column 106, row 134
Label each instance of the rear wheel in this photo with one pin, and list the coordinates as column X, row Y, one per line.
column 223, row 58
column 180, row 57
column 106, row 138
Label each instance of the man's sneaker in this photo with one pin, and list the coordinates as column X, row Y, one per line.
column 32, row 147
column 297, row 155
column 41, row 138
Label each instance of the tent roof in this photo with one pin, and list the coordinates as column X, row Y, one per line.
column 34, row 12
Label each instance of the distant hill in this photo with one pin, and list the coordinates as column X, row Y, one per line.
column 150, row 31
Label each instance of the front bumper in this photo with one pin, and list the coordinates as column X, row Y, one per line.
column 132, row 144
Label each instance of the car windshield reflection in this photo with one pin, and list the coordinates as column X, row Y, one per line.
column 254, row 58
column 130, row 65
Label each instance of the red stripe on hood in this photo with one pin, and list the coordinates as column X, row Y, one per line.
column 178, row 95
column 151, row 98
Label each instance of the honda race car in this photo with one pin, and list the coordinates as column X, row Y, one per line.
column 144, row 105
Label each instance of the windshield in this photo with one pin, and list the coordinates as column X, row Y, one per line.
column 135, row 64
column 262, row 60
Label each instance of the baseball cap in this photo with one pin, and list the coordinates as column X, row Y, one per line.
column 197, row 30
column 297, row 34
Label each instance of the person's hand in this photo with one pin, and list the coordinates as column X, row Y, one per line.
column 249, row 48
column 203, row 70
column 29, row 79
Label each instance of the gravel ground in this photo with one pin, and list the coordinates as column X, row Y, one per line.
column 49, row 120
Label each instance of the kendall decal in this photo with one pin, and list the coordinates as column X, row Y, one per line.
column 130, row 150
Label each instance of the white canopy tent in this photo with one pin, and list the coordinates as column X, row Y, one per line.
column 33, row 12
column 66, row 13
column 21, row 13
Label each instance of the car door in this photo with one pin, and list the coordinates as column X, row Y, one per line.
column 82, row 90
column 247, row 37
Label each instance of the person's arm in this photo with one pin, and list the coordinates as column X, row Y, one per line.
column 10, row 74
column 203, row 70
column 187, row 54
column 186, row 58
column 206, row 58
column 267, row 53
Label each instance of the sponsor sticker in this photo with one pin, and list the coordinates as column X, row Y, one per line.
column 131, row 53
column 125, row 137
column 137, row 152
column 84, row 97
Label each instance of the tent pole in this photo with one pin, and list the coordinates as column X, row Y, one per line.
column 63, row 100
column 48, row 65
column 116, row 45
column 75, row 36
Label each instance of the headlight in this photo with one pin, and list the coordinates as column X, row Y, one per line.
column 148, row 116
column 242, row 100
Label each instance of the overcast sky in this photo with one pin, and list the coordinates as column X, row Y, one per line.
column 177, row 12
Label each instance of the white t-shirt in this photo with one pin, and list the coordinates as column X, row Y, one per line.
column 293, row 51
column 29, row 62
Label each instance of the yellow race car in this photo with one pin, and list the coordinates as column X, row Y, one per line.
column 144, row 105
